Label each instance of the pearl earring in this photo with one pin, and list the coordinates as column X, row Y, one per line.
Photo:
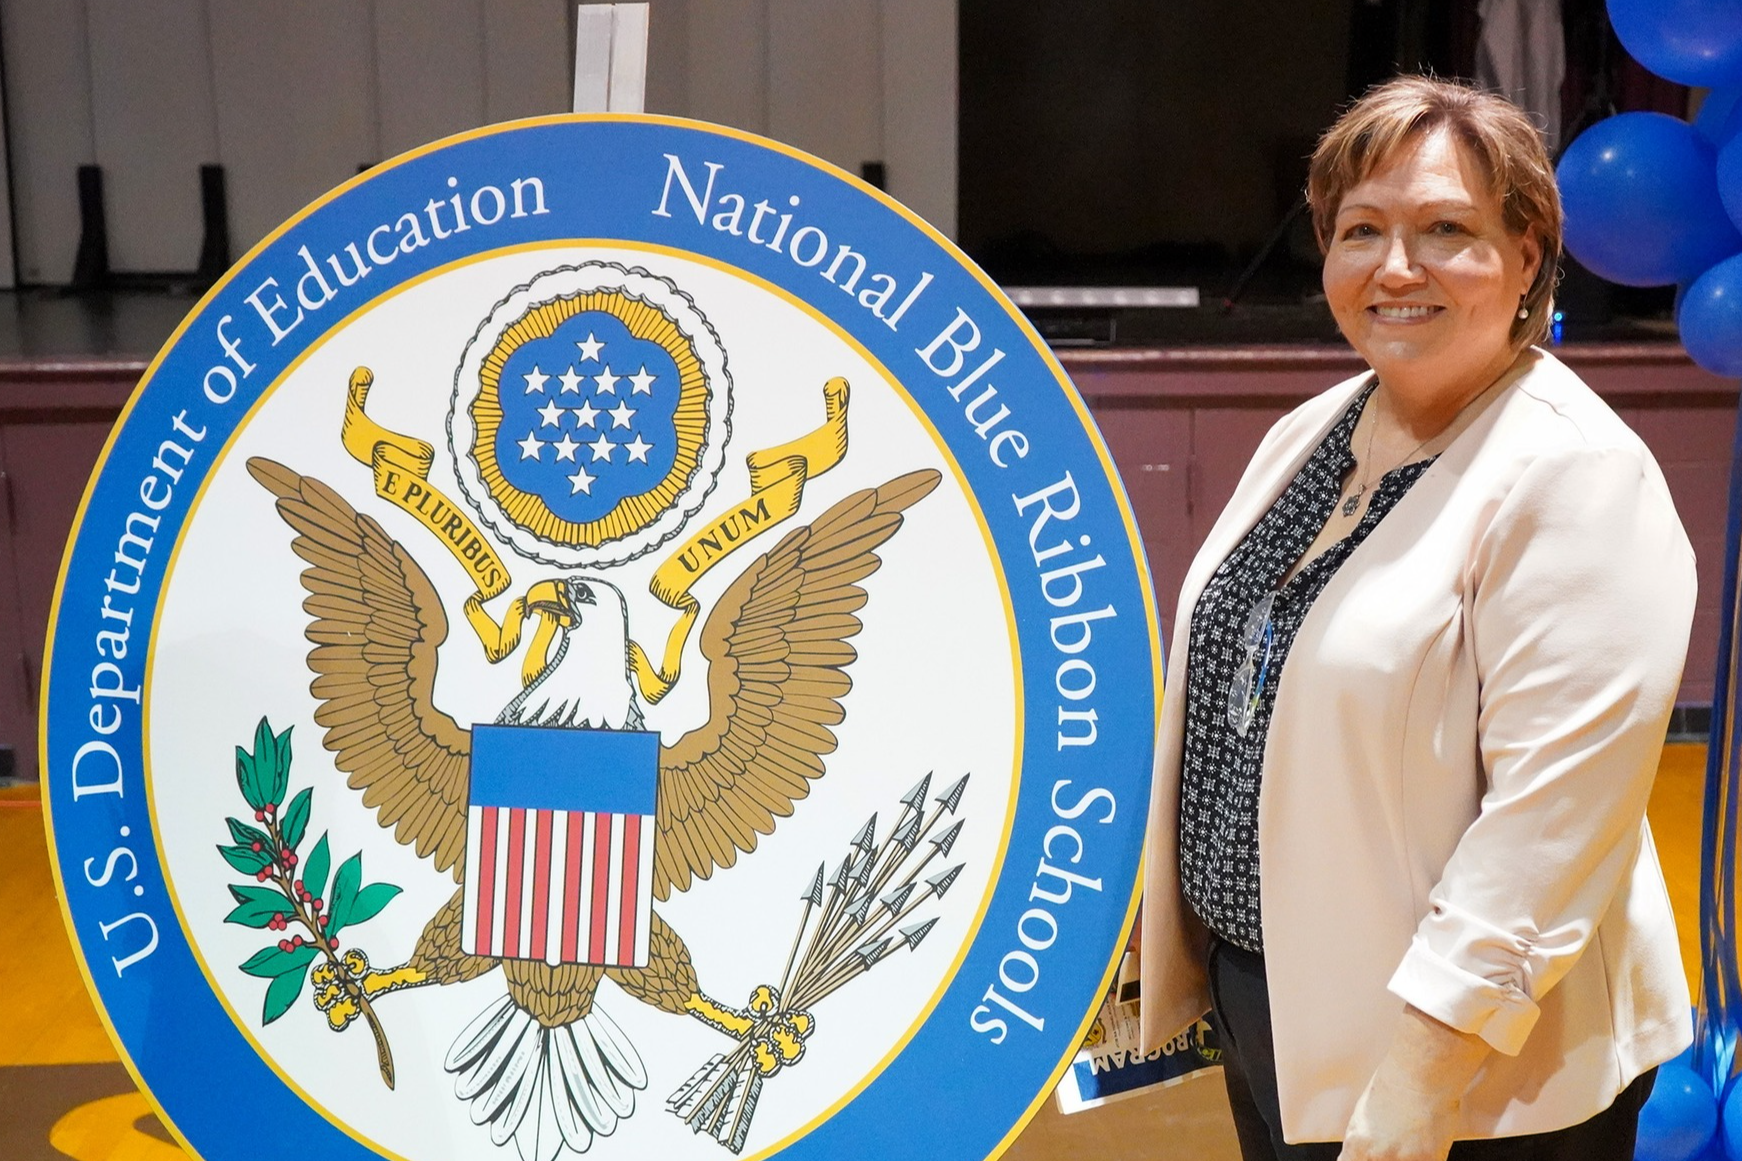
column 1523, row 311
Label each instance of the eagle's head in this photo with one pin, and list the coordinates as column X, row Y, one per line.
column 576, row 671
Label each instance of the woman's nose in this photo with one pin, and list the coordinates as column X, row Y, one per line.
column 1397, row 265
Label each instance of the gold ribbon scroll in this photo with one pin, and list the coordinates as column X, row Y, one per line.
column 777, row 479
column 401, row 467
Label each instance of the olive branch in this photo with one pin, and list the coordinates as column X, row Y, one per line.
column 284, row 897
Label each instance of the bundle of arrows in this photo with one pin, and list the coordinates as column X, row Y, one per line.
column 850, row 922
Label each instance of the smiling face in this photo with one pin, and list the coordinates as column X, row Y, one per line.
column 1424, row 277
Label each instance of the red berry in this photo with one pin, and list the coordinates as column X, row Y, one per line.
column 290, row 858
column 296, row 941
column 298, row 886
column 284, row 945
column 334, row 944
column 259, row 816
column 261, row 877
column 256, row 846
column 316, row 904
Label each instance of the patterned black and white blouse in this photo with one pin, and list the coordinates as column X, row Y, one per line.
column 1231, row 686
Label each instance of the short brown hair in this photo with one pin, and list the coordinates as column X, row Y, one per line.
column 1498, row 135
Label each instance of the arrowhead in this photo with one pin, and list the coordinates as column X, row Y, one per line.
column 858, row 910
column 918, row 931
column 948, row 839
column 867, row 836
column 872, row 952
column 913, row 798
column 897, row 898
column 952, row 797
column 907, row 834
column 862, row 870
column 839, row 882
column 814, row 896
column 940, row 882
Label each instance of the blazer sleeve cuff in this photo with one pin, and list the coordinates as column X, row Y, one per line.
column 1501, row 1014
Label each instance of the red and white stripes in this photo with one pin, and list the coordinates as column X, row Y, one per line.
column 560, row 886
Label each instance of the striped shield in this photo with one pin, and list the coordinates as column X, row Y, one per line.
column 559, row 844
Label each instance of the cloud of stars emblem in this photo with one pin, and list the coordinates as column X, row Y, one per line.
column 587, row 416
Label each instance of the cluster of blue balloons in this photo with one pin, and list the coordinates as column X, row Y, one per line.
column 1652, row 200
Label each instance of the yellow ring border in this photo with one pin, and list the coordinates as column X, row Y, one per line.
column 948, row 978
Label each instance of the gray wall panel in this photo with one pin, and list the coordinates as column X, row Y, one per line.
column 155, row 125
column 528, row 58
column 429, row 58
column 296, row 109
column 48, row 99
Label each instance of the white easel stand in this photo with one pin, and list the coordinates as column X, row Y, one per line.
column 611, row 58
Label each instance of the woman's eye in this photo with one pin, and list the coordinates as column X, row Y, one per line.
column 1359, row 230
column 1447, row 229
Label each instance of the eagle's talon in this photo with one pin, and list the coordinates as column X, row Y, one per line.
column 341, row 1013
column 356, row 962
column 324, row 974
column 327, row 994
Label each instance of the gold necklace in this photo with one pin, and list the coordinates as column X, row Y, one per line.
column 1352, row 502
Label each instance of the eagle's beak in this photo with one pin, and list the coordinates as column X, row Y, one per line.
column 547, row 598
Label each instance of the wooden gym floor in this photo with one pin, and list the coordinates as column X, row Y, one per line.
column 63, row 1092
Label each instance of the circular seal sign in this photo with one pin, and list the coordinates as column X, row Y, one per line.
column 602, row 634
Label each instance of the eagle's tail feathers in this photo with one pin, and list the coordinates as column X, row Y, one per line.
column 618, row 1052
column 570, row 1121
column 541, row 1138
column 471, row 1047
column 572, row 1075
column 515, row 1090
column 546, row 1088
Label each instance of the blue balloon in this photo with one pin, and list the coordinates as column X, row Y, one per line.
column 1711, row 325
column 1679, row 1120
column 1640, row 192
column 1692, row 42
column 1732, row 1131
column 1720, row 117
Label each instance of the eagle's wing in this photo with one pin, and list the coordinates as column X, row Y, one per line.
column 377, row 623
column 776, row 645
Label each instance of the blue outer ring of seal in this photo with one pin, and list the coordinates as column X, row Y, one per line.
column 602, row 178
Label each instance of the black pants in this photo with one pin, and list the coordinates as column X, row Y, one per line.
column 1242, row 1002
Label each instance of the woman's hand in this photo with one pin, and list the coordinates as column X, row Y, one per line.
column 1413, row 1107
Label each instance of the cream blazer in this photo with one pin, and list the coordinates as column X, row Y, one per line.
column 1453, row 805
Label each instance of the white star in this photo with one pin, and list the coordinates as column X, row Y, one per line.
column 621, row 415
column 552, row 414
column 585, row 414
column 638, row 450
column 530, row 447
column 643, row 382
column 602, row 449
column 571, row 381
column 590, row 349
column 581, row 481
column 565, row 447
column 607, row 382
column 535, row 380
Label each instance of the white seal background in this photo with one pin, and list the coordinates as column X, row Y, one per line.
column 935, row 686
column 567, row 282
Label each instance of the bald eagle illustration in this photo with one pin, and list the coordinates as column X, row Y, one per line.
column 544, row 1065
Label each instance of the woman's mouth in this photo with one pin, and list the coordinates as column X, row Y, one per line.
column 1404, row 312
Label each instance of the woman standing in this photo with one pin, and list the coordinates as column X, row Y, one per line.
column 1425, row 662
